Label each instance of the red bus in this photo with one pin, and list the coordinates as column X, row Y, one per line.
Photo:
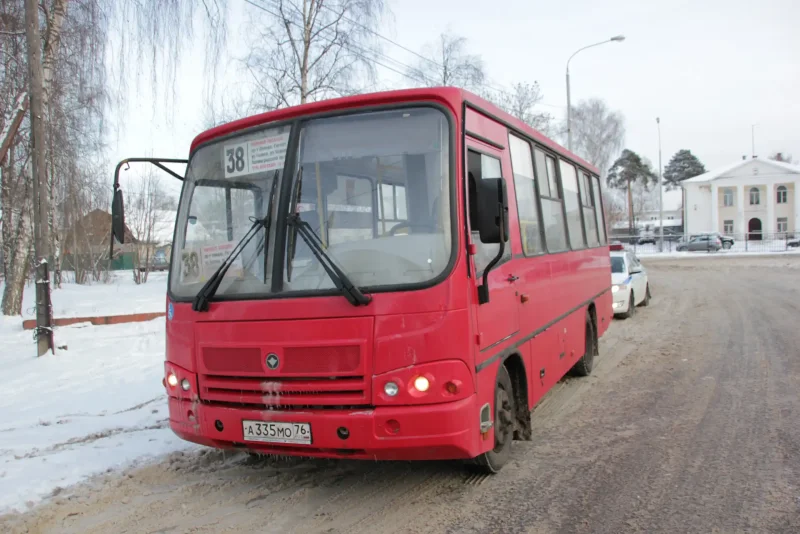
column 398, row 275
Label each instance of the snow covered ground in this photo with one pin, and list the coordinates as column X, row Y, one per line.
column 119, row 296
column 95, row 406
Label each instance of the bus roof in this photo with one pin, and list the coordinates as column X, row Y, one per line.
column 451, row 97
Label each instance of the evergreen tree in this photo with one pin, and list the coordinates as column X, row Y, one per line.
column 630, row 169
column 682, row 166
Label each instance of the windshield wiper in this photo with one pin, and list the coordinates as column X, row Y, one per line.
column 200, row 303
column 201, row 300
column 342, row 282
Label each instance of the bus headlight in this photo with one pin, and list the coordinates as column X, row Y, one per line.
column 172, row 380
column 391, row 389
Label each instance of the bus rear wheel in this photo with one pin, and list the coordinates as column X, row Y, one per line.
column 504, row 409
column 584, row 366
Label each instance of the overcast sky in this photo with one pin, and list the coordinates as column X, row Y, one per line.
column 708, row 68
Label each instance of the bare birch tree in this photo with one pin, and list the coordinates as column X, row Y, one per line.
column 521, row 101
column 144, row 214
column 598, row 133
column 447, row 62
column 77, row 94
column 310, row 50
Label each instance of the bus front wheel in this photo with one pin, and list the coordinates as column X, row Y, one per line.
column 504, row 409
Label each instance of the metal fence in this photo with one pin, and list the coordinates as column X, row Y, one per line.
column 732, row 243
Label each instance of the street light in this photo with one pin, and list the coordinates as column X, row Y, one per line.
column 616, row 38
column 660, row 192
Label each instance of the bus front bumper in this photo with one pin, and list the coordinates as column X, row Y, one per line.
column 423, row 432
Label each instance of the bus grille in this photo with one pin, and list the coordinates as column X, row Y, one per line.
column 331, row 377
column 283, row 393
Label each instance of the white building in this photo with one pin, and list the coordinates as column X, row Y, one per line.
column 648, row 220
column 752, row 196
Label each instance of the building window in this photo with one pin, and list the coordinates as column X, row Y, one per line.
column 782, row 194
column 783, row 224
column 755, row 196
column 727, row 197
column 728, row 227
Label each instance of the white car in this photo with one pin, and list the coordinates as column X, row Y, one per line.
column 629, row 284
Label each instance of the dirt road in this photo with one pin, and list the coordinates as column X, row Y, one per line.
column 690, row 423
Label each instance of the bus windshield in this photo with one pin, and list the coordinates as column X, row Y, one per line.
column 373, row 186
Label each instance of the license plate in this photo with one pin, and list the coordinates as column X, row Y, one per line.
column 272, row 432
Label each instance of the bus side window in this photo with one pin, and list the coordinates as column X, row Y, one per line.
column 479, row 167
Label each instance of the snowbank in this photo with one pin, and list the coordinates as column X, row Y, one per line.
column 96, row 406
column 118, row 297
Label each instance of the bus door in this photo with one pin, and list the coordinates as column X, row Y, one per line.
column 498, row 319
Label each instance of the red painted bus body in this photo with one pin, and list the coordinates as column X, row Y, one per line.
column 333, row 360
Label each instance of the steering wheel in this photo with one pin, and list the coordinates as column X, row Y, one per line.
column 410, row 225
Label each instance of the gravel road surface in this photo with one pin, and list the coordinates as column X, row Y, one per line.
column 690, row 423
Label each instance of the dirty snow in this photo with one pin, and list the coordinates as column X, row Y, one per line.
column 96, row 406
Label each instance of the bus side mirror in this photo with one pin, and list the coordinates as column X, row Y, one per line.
column 118, row 217
column 492, row 210
column 492, row 205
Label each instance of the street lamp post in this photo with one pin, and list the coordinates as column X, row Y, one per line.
column 616, row 38
column 660, row 193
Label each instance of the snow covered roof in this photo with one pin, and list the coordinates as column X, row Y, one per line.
column 722, row 171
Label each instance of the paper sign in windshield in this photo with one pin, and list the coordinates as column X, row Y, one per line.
column 213, row 256
column 254, row 156
column 199, row 265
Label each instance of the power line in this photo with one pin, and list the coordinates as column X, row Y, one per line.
column 434, row 62
column 354, row 49
column 424, row 79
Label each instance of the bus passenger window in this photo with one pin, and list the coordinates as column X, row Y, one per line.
column 480, row 166
column 555, row 233
column 527, row 206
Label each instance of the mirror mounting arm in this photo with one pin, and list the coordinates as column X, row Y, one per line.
column 483, row 289
column 158, row 162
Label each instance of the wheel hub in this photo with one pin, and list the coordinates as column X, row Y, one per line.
column 504, row 419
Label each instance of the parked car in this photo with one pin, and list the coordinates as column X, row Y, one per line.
column 647, row 239
column 727, row 241
column 793, row 243
column 702, row 242
column 157, row 263
column 630, row 285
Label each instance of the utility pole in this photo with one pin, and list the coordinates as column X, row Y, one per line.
column 41, row 199
column 660, row 193
column 615, row 39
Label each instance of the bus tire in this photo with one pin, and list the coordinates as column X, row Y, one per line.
column 584, row 366
column 492, row 461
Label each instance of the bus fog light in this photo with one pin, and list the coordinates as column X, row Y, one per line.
column 391, row 389
column 421, row 384
column 451, row 388
column 185, row 385
column 172, row 380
